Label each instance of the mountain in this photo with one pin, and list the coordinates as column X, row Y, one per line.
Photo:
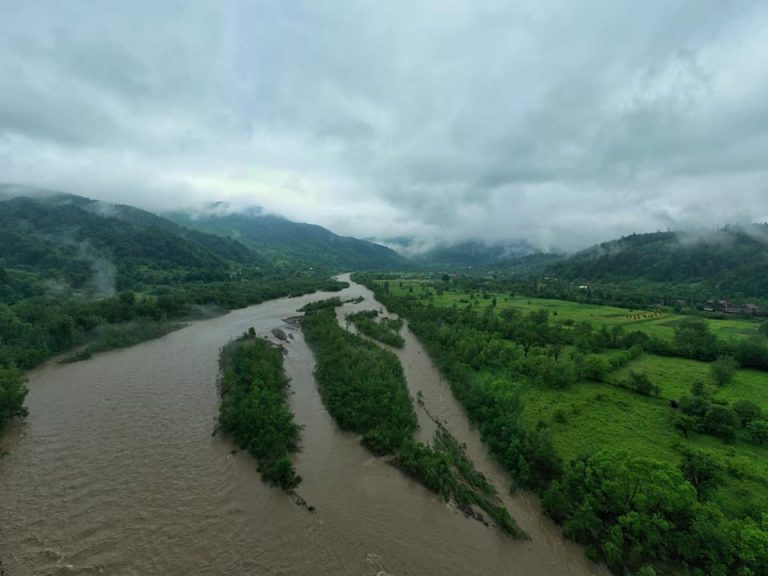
column 733, row 259
column 473, row 257
column 290, row 243
column 473, row 254
column 80, row 244
column 226, row 248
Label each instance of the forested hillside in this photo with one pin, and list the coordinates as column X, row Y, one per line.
column 225, row 247
column 292, row 243
column 732, row 260
column 66, row 244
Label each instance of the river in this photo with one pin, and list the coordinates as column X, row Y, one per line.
column 116, row 472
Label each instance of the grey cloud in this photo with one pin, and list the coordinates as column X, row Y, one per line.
column 556, row 122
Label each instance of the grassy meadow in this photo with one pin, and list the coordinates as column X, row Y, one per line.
column 591, row 416
column 654, row 323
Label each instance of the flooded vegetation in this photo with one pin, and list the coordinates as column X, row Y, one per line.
column 364, row 388
column 385, row 330
column 254, row 408
column 115, row 470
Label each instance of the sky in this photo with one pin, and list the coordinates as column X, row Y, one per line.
column 561, row 123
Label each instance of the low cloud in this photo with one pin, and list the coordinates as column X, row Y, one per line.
column 551, row 122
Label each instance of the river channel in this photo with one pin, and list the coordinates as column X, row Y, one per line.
column 115, row 471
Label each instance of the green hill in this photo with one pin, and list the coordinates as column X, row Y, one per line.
column 290, row 243
column 731, row 260
column 226, row 248
column 63, row 240
column 512, row 257
column 473, row 254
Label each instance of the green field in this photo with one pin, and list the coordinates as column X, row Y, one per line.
column 676, row 375
column 591, row 416
column 654, row 323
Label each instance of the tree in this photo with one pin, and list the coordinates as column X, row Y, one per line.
column 595, row 368
column 747, row 411
column 540, row 316
column 640, row 383
column 636, row 338
column 546, row 371
column 698, row 388
column 555, row 342
column 693, row 339
column 684, row 423
column 12, row 394
column 758, row 431
column 583, row 336
column 752, row 353
column 61, row 331
column 723, row 370
column 629, row 511
column 282, row 474
column 702, row 470
column 529, row 334
column 616, row 335
column 695, row 406
column 720, row 421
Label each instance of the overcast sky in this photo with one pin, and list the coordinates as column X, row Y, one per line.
column 560, row 122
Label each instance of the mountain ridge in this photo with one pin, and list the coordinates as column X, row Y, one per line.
column 289, row 241
column 731, row 259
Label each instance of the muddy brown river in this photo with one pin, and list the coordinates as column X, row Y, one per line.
column 116, row 472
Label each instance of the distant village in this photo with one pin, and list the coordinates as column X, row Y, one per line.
column 727, row 307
